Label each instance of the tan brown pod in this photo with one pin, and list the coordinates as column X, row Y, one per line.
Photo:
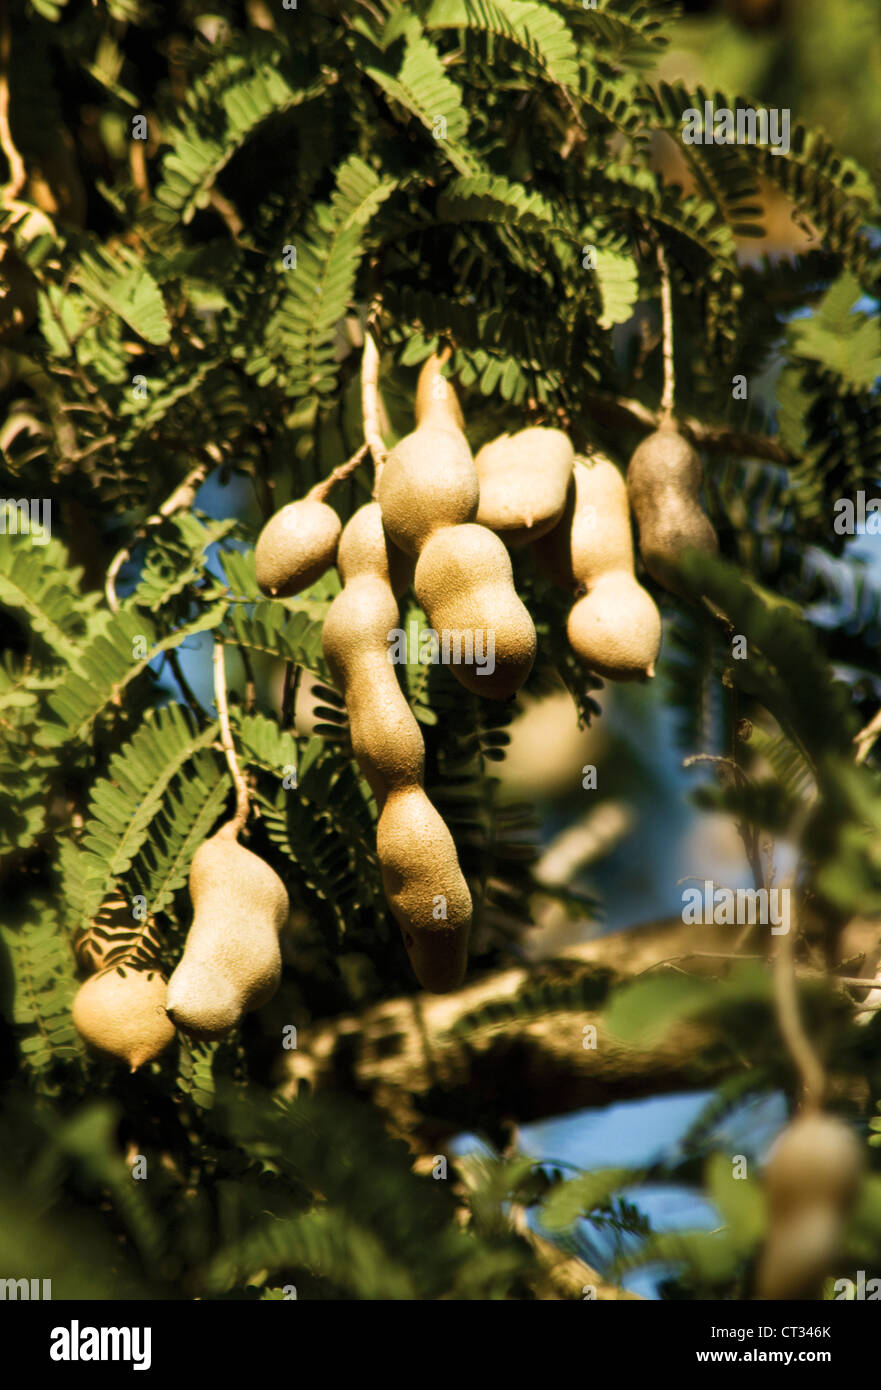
column 232, row 961
column 524, row 479
column 663, row 483
column 816, row 1159
column 296, row 547
column 465, row 584
column 385, row 735
column 365, row 549
column 614, row 628
column 425, row 888
column 811, row 1180
column 122, row 1012
column 428, row 479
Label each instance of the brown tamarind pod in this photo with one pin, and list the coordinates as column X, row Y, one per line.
column 122, row 1012
column 424, row 886
column 614, row 628
column 231, row 962
column 365, row 549
column 811, row 1180
column 465, row 584
column 663, row 482
column 428, row 479
column 296, row 547
column 524, row 479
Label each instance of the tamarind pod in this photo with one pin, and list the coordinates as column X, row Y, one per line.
column 296, row 546
column 385, row 736
column 231, row 962
column 465, row 584
column 523, row 481
column 121, row 1012
column 663, row 482
column 425, row 888
column 428, row 479
column 615, row 627
column 436, row 396
column 799, row 1253
column 817, row 1159
column 365, row 549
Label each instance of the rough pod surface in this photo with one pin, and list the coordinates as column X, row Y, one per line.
column 523, row 481
column 122, row 1012
column 425, row 888
column 429, row 479
column 295, row 547
column 615, row 627
column 231, row 962
column 663, row 482
column 465, row 584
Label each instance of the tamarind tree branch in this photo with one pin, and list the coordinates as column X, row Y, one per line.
column 242, row 798
column 867, row 738
column 17, row 173
column 180, row 500
column 435, row 1073
column 619, row 411
column 413, row 1057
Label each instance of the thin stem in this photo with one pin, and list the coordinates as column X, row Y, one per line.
column 370, row 396
column 234, row 826
column 342, row 470
column 180, row 500
column 667, row 319
column 17, row 172
column 813, row 1080
column 867, row 737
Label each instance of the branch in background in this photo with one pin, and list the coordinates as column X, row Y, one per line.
column 17, row 173
column 717, row 439
column 405, row 1056
column 180, row 500
column 242, row 798
column 867, row 738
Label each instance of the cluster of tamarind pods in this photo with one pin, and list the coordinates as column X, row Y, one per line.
column 444, row 521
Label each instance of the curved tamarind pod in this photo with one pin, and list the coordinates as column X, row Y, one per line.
column 428, row 479
column 425, row 888
column 365, row 549
column 524, row 479
column 385, row 735
column 231, row 962
column 420, row 871
column 663, row 482
column 614, row 628
column 465, row 584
